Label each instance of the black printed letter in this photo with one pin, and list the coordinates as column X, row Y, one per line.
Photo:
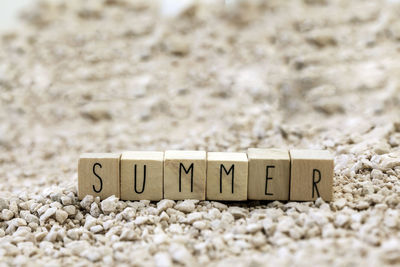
column 266, row 180
column 101, row 181
column 231, row 169
column 314, row 183
column 144, row 180
column 186, row 171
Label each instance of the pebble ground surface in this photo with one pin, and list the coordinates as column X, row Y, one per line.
column 116, row 75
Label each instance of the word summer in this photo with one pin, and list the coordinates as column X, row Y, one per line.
column 259, row 174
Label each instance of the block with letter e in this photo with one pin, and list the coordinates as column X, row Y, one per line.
column 98, row 175
column 184, row 174
column 269, row 174
column 311, row 175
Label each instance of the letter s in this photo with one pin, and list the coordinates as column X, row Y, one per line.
column 101, row 181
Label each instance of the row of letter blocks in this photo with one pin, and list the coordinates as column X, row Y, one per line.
column 261, row 174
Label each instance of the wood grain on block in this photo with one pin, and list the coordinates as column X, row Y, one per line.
column 311, row 175
column 142, row 175
column 98, row 175
column 269, row 174
column 184, row 174
column 227, row 176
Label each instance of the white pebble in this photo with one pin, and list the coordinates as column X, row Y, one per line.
column 90, row 221
column 219, row 205
column 376, row 174
column 162, row 259
column 28, row 217
column 109, row 204
column 195, row 216
column 42, row 209
column 49, row 212
column 94, row 210
column 96, row 229
column 201, row 225
column 175, row 228
column 66, row 200
column 70, row 209
column 128, row 235
column 13, row 207
column 3, row 204
column 57, row 205
column 74, row 233
column 238, row 212
column 180, row 254
column 341, row 220
column 61, row 216
column 6, row 214
column 141, row 220
column 254, row 227
column 185, row 206
column 87, row 201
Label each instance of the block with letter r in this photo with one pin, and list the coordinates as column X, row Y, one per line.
column 311, row 175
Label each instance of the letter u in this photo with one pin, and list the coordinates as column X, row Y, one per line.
column 144, row 180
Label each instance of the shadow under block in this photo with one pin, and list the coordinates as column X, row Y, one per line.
column 227, row 176
column 269, row 174
column 184, row 174
column 142, row 175
column 311, row 175
column 98, row 175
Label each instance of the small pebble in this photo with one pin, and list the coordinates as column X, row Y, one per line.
column 3, row 204
column 61, row 216
column 70, row 209
column 6, row 214
column 96, row 229
column 49, row 212
column 185, row 206
column 94, row 210
column 87, row 202
column 165, row 204
column 109, row 204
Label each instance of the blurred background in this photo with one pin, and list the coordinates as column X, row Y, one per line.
column 9, row 12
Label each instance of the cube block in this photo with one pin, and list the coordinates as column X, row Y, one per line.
column 98, row 175
column 227, row 176
column 269, row 174
column 142, row 175
column 311, row 175
column 185, row 174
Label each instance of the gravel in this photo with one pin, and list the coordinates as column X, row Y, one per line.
column 116, row 75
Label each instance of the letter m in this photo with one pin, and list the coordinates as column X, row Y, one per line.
column 190, row 169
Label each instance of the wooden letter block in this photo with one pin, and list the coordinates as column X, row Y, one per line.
column 269, row 171
column 227, row 176
column 311, row 175
column 98, row 175
column 142, row 175
column 184, row 174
